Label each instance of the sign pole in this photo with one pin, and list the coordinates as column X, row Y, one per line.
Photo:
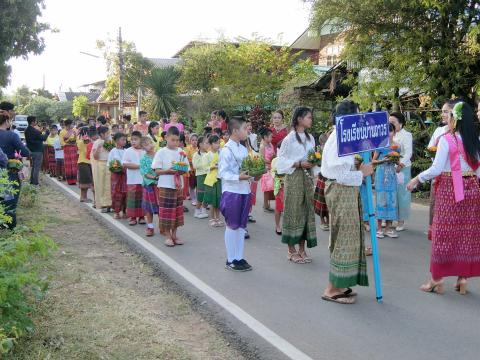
column 373, row 230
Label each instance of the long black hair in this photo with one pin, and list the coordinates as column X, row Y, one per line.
column 467, row 129
column 300, row 112
column 150, row 127
column 344, row 107
column 200, row 140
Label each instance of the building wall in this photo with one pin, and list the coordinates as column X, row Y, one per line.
column 331, row 46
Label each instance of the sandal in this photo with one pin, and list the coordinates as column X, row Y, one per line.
column 305, row 257
column 368, row 251
column 350, row 292
column 278, row 232
column 433, row 287
column 268, row 210
column 177, row 241
column 132, row 222
column 169, row 242
column 142, row 221
column 212, row 222
column 461, row 286
column 340, row 299
column 219, row 223
column 116, row 216
column 295, row 258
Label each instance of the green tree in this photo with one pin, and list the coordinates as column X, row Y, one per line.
column 137, row 67
column 80, row 106
column 162, row 84
column 38, row 106
column 250, row 72
column 60, row 110
column 20, row 32
column 428, row 46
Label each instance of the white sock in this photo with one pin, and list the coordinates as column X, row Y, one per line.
column 240, row 243
column 193, row 194
column 230, row 240
column 150, row 226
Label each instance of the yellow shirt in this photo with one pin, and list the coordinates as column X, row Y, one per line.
column 51, row 140
column 82, row 152
column 64, row 133
column 222, row 143
column 201, row 163
column 211, row 178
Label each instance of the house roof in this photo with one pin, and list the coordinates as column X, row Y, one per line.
column 310, row 39
column 97, row 83
column 163, row 63
column 70, row 95
column 188, row 46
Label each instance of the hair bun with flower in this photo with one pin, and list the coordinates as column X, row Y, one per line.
column 457, row 111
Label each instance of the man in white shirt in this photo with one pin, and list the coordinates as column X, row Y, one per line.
column 347, row 243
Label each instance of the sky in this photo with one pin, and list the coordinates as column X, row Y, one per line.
column 159, row 28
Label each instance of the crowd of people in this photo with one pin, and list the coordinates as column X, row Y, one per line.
column 149, row 169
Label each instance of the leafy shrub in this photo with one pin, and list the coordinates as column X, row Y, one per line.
column 28, row 195
column 20, row 284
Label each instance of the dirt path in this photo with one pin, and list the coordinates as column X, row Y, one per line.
column 105, row 303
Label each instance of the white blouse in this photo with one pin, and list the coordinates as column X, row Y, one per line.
column 229, row 163
column 405, row 140
column 441, row 130
column 342, row 169
column 292, row 151
column 442, row 163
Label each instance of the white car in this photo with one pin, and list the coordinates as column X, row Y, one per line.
column 20, row 122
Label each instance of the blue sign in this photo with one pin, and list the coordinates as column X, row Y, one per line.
column 362, row 132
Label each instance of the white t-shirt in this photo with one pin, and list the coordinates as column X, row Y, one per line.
column 58, row 148
column 163, row 160
column 133, row 156
column 116, row 154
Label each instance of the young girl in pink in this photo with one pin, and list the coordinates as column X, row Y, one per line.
column 267, row 151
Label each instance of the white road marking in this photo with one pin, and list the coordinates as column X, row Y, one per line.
column 270, row 336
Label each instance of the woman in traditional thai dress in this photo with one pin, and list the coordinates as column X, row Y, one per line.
column 405, row 140
column 299, row 217
column 456, row 224
column 348, row 264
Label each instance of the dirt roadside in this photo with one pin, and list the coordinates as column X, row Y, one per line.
column 104, row 302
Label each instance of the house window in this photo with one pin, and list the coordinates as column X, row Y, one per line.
column 332, row 60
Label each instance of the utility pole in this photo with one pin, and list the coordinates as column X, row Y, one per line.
column 121, row 96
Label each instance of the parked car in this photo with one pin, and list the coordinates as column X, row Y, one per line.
column 21, row 122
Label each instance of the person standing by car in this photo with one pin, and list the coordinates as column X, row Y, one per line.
column 35, row 139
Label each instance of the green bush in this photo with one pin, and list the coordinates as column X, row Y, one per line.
column 20, row 283
column 28, row 195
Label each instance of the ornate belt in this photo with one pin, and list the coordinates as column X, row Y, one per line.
column 464, row 173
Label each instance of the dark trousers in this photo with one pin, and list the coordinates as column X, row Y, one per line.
column 37, row 158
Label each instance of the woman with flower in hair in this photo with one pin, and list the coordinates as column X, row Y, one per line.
column 456, row 224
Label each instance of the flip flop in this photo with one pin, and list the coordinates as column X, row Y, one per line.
column 350, row 292
column 169, row 242
column 336, row 298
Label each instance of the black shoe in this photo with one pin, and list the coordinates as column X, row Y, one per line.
column 234, row 266
column 247, row 235
column 245, row 264
column 185, row 209
column 251, row 219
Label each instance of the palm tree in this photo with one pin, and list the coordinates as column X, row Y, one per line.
column 162, row 83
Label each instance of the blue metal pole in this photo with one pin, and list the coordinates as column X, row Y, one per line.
column 373, row 230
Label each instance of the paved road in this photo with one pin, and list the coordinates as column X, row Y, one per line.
column 285, row 297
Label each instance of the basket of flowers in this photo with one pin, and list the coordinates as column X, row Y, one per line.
column 109, row 145
column 15, row 165
column 314, row 156
column 115, row 166
column 253, row 165
column 430, row 152
column 182, row 164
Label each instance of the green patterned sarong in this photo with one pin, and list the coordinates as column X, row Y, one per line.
column 298, row 216
column 348, row 264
